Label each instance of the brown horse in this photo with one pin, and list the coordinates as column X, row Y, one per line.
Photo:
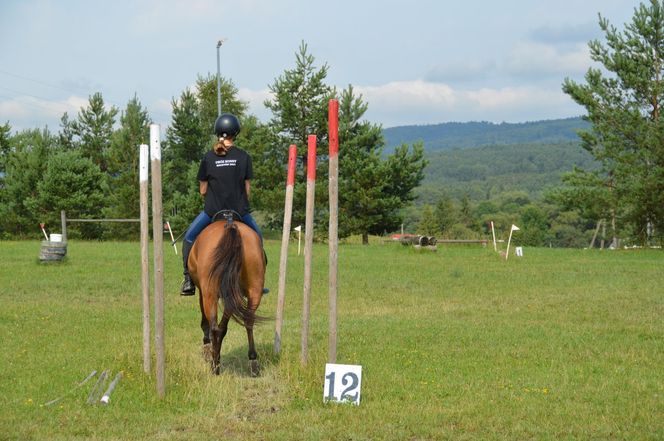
column 226, row 262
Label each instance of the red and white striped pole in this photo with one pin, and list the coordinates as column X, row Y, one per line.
column 308, row 244
column 285, row 236
column 333, row 136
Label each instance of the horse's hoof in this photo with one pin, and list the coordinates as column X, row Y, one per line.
column 216, row 369
column 254, row 368
column 207, row 352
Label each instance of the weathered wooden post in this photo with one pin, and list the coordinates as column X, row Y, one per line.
column 308, row 244
column 63, row 222
column 158, row 243
column 285, row 236
column 144, row 159
column 333, row 136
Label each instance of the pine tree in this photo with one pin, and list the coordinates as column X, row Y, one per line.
column 300, row 100
column 5, row 148
column 123, row 158
column 446, row 213
column 206, row 93
column 625, row 109
column 365, row 207
column 93, row 130
column 25, row 166
column 71, row 183
column 186, row 143
column 299, row 108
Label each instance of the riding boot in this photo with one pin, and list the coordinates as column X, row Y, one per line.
column 188, row 287
column 265, row 290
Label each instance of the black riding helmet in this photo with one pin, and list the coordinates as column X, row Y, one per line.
column 227, row 126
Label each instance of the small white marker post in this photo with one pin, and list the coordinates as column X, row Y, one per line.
column 513, row 229
column 299, row 237
column 343, row 383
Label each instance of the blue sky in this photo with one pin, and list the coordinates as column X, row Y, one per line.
column 417, row 62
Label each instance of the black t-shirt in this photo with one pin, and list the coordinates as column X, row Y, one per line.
column 225, row 176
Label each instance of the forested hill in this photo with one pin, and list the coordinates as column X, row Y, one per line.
column 446, row 136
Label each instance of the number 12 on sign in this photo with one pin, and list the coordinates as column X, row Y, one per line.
column 342, row 383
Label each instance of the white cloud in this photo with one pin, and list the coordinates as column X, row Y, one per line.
column 409, row 94
column 531, row 59
column 20, row 109
column 420, row 102
column 255, row 99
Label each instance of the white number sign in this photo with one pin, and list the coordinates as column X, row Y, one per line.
column 342, row 383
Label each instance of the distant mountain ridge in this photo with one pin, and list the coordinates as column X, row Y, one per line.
column 459, row 135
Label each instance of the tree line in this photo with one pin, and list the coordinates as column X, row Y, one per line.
column 89, row 168
column 619, row 196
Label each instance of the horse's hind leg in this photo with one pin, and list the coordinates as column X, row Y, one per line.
column 205, row 324
column 218, row 333
column 211, row 329
column 254, row 367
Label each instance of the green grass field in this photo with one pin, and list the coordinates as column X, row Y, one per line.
column 454, row 344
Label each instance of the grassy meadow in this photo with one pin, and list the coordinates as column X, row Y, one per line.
column 454, row 344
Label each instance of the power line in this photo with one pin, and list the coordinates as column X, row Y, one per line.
column 40, row 82
column 156, row 114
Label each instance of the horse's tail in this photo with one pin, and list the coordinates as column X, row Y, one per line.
column 226, row 271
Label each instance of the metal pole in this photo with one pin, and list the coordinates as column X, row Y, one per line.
column 219, row 43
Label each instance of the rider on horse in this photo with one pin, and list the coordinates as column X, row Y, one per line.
column 224, row 179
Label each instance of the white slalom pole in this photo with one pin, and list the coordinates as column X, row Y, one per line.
column 514, row 228
column 43, row 231
column 493, row 233
column 91, row 375
column 168, row 226
column 107, row 395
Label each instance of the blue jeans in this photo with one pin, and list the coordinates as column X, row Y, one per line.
column 203, row 220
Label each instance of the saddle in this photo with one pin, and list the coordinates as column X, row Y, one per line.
column 228, row 215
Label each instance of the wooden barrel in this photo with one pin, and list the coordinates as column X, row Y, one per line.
column 52, row 251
